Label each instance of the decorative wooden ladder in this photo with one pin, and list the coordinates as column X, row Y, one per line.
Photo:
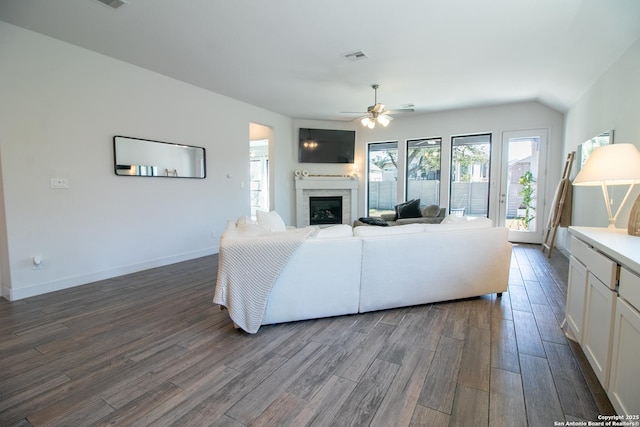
column 558, row 204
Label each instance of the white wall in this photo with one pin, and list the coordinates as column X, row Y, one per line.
column 323, row 168
column 4, row 245
column 612, row 102
column 61, row 106
column 521, row 116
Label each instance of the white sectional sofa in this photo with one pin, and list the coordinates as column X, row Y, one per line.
column 340, row 270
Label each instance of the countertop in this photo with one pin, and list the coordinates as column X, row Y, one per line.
column 616, row 243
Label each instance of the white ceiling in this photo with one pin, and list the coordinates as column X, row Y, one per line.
column 286, row 55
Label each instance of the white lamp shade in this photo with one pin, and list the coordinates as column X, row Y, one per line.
column 615, row 164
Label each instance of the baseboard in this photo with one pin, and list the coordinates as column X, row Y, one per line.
column 57, row 285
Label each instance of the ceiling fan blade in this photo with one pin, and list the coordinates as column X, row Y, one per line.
column 401, row 110
column 375, row 111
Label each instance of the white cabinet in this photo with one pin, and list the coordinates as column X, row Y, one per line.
column 603, row 309
column 576, row 297
column 591, row 299
column 590, row 304
column 624, row 382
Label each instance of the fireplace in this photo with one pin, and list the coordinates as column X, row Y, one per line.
column 325, row 210
column 326, row 186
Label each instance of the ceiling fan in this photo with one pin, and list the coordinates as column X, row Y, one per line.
column 377, row 113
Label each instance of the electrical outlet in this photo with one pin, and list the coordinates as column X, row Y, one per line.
column 58, row 183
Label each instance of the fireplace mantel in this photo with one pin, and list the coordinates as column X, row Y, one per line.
column 306, row 186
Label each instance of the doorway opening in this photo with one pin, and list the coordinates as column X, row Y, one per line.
column 259, row 142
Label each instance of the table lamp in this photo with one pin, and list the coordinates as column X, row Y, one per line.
column 615, row 164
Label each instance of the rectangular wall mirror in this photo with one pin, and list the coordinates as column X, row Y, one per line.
column 585, row 149
column 143, row 157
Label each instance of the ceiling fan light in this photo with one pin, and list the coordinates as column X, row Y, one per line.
column 368, row 122
column 383, row 120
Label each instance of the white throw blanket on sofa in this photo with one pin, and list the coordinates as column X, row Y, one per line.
column 245, row 279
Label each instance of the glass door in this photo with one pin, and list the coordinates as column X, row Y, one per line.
column 521, row 184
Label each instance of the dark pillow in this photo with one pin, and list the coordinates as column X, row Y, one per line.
column 373, row 221
column 410, row 209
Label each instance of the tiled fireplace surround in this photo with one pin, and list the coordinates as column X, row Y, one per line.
column 324, row 186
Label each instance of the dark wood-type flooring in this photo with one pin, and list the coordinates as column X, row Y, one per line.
column 150, row 348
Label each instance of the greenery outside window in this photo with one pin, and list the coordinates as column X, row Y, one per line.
column 382, row 177
column 423, row 170
column 470, row 160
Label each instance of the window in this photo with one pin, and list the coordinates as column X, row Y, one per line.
column 382, row 185
column 423, row 170
column 470, row 160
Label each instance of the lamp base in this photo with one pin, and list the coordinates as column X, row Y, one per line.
column 634, row 219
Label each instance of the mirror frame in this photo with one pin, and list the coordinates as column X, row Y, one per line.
column 141, row 168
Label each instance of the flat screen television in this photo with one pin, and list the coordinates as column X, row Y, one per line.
column 326, row 146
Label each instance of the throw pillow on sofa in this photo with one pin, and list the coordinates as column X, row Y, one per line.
column 410, row 209
column 270, row 221
column 431, row 211
column 245, row 227
column 373, row 221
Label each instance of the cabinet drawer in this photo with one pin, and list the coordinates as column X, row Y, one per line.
column 599, row 265
column 630, row 287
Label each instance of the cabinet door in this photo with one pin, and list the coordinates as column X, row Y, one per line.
column 624, row 383
column 598, row 327
column 576, row 297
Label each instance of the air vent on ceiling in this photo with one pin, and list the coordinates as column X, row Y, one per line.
column 358, row 55
column 113, row 3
